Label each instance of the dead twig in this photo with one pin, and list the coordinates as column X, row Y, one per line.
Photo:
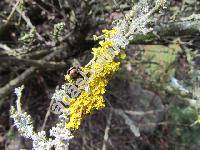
column 12, row 12
column 128, row 121
column 49, row 108
column 27, row 73
column 107, row 131
column 141, row 113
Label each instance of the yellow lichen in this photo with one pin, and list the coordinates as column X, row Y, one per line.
column 100, row 71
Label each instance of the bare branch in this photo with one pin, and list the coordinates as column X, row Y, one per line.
column 36, row 63
column 107, row 131
column 12, row 12
column 128, row 121
column 27, row 73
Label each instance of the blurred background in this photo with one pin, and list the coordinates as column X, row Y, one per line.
column 157, row 88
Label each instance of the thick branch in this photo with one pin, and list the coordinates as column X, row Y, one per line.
column 36, row 63
column 179, row 28
column 171, row 29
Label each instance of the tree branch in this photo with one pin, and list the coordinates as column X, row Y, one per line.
column 36, row 63
column 27, row 73
column 171, row 29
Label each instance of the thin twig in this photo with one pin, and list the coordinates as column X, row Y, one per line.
column 107, row 131
column 141, row 113
column 48, row 111
column 12, row 12
column 128, row 121
column 164, row 123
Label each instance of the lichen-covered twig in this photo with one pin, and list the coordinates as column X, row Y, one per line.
column 106, row 61
column 28, row 21
column 59, row 135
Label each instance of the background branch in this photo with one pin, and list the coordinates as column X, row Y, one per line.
column 171, row 29
column 27, row 73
